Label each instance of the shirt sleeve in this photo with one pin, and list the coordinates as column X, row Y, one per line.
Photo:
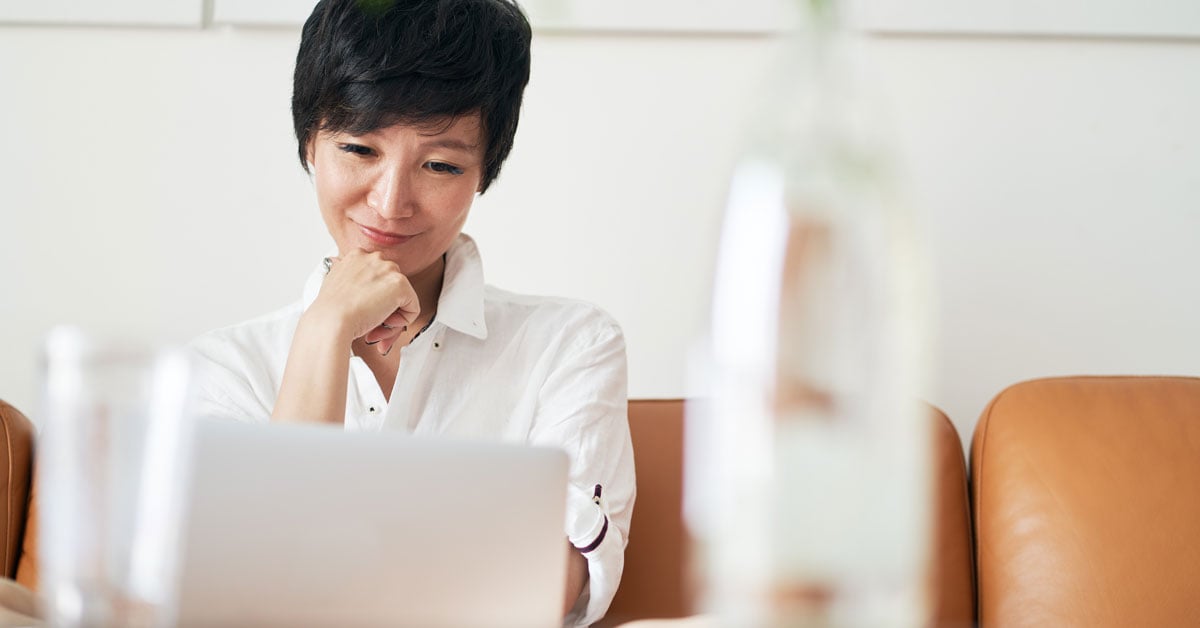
column 583, row 409
column 223, row 385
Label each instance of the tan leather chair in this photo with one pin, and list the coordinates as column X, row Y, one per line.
column 952, row 568
column 1087, row 503
column 16, row 473
column 654, row 583
column 655, row 577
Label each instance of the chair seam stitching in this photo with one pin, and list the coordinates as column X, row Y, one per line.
column 978, row 499
column 8, row 497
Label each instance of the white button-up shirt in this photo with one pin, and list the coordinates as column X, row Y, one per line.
column 492, row 365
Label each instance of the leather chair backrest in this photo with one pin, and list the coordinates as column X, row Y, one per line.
column 952, row 569
column 27, row 567
column 16, row 471
column 655, row 580
column 1087, row 503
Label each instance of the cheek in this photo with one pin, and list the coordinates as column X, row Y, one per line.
column 448, row 199
column 467, row 191
column 461, row 200
column 335, row 188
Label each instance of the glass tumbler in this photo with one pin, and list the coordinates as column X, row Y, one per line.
column 113, row 465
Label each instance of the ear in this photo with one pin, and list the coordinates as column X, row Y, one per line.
column 310, row 153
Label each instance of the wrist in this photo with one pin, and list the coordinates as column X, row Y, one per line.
column 324, row 323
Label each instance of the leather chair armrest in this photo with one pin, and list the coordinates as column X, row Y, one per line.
column 16, row 473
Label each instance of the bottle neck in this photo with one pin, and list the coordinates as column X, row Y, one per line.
column 819, row 18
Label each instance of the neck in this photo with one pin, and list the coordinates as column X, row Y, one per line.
column 428, row 286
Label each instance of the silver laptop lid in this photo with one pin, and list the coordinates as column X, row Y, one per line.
column 314, row 526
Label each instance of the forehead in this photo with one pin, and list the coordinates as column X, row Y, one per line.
column 463, row 131
column 467, row 127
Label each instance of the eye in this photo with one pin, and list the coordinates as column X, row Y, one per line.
column 443, row 168
column 357, row 149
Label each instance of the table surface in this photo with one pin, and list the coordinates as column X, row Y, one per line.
column 695, row 621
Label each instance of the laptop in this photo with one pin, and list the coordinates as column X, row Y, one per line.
column 315, row 526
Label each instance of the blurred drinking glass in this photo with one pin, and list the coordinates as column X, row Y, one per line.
column 112, row 473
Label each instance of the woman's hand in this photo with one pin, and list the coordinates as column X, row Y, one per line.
column 365, row 296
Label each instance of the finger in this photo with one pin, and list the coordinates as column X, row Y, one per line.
column 374, row 336
column 407, row 312
column 380, row 334
column 398, row 320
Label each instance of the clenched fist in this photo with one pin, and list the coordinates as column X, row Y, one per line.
column 365, row 296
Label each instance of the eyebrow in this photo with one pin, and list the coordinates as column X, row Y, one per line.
column 453, row 144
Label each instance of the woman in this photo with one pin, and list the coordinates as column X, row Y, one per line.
column 405, row 111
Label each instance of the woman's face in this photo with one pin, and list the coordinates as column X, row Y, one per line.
column 404, row 191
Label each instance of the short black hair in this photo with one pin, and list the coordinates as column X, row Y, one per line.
column 368, row 64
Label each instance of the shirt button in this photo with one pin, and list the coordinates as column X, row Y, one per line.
column 372, row 410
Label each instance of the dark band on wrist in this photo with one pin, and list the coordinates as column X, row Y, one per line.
column 599, row 539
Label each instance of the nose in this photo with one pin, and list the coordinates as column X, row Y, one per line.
column 393, row 196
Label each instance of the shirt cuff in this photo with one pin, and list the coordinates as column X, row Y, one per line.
column 594, row 535
column 590, row 525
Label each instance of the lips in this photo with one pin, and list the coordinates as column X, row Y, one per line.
column 383, row 238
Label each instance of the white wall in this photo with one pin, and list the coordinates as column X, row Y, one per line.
column 148, row 184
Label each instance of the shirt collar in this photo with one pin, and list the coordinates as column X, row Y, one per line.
column 460, row 306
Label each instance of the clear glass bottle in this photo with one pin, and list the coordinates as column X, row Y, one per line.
column 808, row 473
column 113, row 472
